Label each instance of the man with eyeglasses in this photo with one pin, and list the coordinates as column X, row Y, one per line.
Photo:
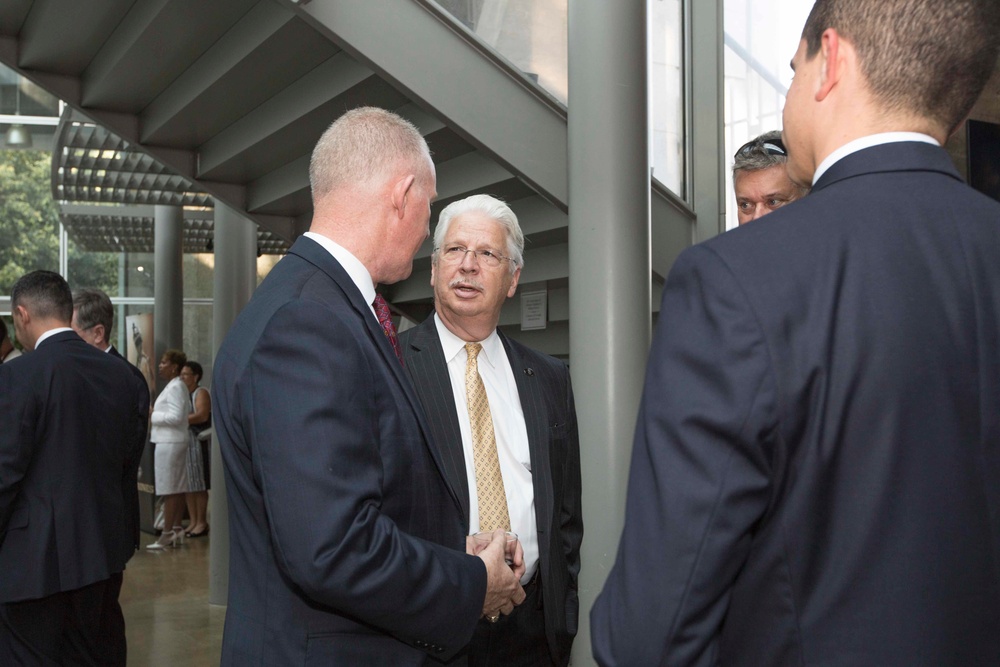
column 502, row 413
column 346, row 539
column 760, row 178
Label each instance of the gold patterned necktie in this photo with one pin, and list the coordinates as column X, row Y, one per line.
column 489, row 481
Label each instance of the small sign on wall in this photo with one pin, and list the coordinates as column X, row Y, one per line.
column 534, row 310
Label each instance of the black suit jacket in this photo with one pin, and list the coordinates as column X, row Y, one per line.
column 816, row 469
column 130, row 485
column 69, row 420
column 543, row 385
column 346, row 540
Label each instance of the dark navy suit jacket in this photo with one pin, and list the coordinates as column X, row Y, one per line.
column 815, row 476
column 346, row 540
column 546, row 394
column 71, row 417
column 130, row 487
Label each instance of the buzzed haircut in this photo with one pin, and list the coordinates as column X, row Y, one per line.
column 929, row 57
column 45, row 294
column 93, row 307
column 361, row 148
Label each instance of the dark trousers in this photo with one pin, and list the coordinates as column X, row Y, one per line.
column 517, row 640
column 79, row 627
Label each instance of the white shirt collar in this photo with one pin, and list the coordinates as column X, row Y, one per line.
column 49, row 334
column 352, row 265
column 868, row 142
column 452, row 344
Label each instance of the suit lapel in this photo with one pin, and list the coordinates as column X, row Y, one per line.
column 536, row 421
column 429, row 372
column 315, row 254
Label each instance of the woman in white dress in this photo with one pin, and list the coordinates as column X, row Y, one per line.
column 169, row 433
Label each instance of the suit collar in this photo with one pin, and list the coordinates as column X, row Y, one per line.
column 56, row 335
column 312, row 252
column 893, row 157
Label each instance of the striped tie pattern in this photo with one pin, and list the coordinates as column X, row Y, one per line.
column 493, row 512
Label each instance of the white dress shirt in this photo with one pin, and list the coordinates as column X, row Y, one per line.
column 49, row 334
column 352, row 265
column 868, row 142
column 510, row 431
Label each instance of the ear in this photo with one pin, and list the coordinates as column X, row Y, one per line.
column 22, row 314
column 513, row 282
column 833, row 67
column 100, row 333
column 399, row 192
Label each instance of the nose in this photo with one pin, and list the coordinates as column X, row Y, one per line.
column 470, row 262
column 759, row 211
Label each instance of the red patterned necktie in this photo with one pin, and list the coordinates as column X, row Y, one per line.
column 385, row 319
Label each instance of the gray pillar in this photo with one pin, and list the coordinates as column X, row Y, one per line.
column 168, row 280
column 610, row 273
column 235, row 278
column 705, row 72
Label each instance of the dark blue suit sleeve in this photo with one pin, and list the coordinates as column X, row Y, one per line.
column 18, row 417
column 325, row 437
column 571, row 511
column 699, row 478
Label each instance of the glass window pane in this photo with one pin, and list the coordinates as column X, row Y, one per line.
column 761, row 37
column 29, row 221
column 667, row 94
column 531, row 34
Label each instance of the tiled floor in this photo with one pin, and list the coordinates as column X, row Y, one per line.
column 168, row 620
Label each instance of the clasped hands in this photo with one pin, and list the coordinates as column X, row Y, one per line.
column 503, row 581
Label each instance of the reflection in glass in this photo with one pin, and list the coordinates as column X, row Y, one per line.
column 531, row 34
column 667, row 94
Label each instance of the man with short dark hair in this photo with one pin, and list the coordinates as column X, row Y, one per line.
column 816, row 466
column 525, row 438
column 347, row 544
column 760, row 179
column 69, row 418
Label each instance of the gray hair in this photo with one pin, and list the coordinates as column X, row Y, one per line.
column 492, row 207
column 362, row 147
column 93, row 307
column 761, row 153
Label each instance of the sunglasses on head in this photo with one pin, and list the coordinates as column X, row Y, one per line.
column 773, row 147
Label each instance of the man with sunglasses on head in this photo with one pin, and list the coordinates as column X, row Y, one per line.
column 521, row 443
column 760, row 178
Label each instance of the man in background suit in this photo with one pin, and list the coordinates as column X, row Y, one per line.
column 69, row 419
column 475, row 267
column 93, row 319
column 760, row 178
column 346, row 539
column 816, row 469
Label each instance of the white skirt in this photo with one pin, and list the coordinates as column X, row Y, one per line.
column 170, row 472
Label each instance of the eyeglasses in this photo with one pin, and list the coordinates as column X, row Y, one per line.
column 772, row 147
column 455, row 254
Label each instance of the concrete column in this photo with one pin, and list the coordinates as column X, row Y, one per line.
column 707, row 122
column 168, row 281
column 235, row 278
column 610, row 272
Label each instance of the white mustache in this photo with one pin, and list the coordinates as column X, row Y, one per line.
column 464, row 282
